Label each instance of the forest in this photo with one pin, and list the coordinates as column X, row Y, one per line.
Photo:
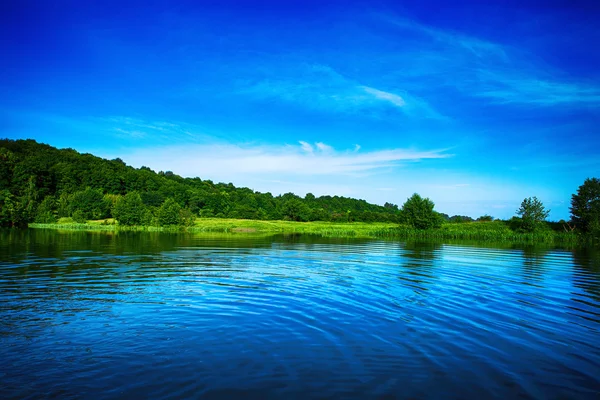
column 42, row 184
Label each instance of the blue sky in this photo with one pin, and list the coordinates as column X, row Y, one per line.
column 474, row 105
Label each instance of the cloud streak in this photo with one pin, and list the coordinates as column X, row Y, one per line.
column 511, row 88
column 484, row 69
column 229, row 161
column 320, row 87
column 478, row 47
column 385, row 96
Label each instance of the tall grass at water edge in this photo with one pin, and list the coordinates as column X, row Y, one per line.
column 495, row 231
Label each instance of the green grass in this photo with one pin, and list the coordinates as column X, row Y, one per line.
column 495, row 231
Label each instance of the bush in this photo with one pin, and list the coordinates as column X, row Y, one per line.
column 187, row 217
column 169, row 213
column 418, row 212
column 79, row 217
column 45, row 213
column 129, row 209
column 91, row 204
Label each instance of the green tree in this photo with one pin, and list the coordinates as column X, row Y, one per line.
column 91, row 204
column 79, row 217
column 187, row 217
column 533, row 214
column 7, row 164
column 585, row 207
column 294, row 209
column 129, row 209
column 46, row 211
column 418, row 212
column 7, row 208
column 169, row 213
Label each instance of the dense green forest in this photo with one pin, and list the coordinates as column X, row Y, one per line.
column 41, row 183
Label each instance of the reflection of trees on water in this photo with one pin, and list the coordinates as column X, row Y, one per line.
column 52, row 243
column 421, row 250
column 64, row 260
column 533, row 261
column 587, row 271
column 419, row 263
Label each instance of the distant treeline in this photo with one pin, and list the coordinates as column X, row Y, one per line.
column 40, row 183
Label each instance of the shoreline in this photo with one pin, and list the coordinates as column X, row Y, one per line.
column 495, row 231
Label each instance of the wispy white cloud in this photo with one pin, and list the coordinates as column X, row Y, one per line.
column 324, row 147
column 129, row 133
column 307, row 147
column 228, row 161
column 483, row 69
column 513, row 87
column 476, row 46
column 134, row 128
column 386, row 96
column 322, row 88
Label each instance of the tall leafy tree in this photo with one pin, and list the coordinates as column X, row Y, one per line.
column 532, row 213
column 295, row 210
column 169, row 213
column 129, row 209
column 90, row 202
column 46, row 211
column 418, row 212
column 585, row 206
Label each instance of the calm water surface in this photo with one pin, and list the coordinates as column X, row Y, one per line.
column 143, row 315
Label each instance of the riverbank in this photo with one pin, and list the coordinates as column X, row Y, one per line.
column 495, row 231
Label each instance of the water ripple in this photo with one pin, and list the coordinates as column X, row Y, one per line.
column 174, row 316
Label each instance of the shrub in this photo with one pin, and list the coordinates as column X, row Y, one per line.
column 418, row 212
column 79, row 217
column 169, row 213
column 129, row 209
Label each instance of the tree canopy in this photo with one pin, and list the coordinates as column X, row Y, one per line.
column 418, row 212
column 532, row 213
column 89, row 187
column 585, row 206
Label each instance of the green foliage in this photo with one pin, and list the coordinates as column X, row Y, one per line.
column 7, row 165
column 295, row 210
column 14, row 211
column 7, row 206
column 169, row 213
column 90, row 202
column 130, row 209
column 485, row 218
column 585, row 207
column 533, row 214
column 460, row 219
column 31, row 171
column 187, row 217
column 79, row 217
column 46, row 211
column 418, row 212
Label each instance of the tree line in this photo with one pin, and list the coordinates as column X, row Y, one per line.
column 40, row 183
